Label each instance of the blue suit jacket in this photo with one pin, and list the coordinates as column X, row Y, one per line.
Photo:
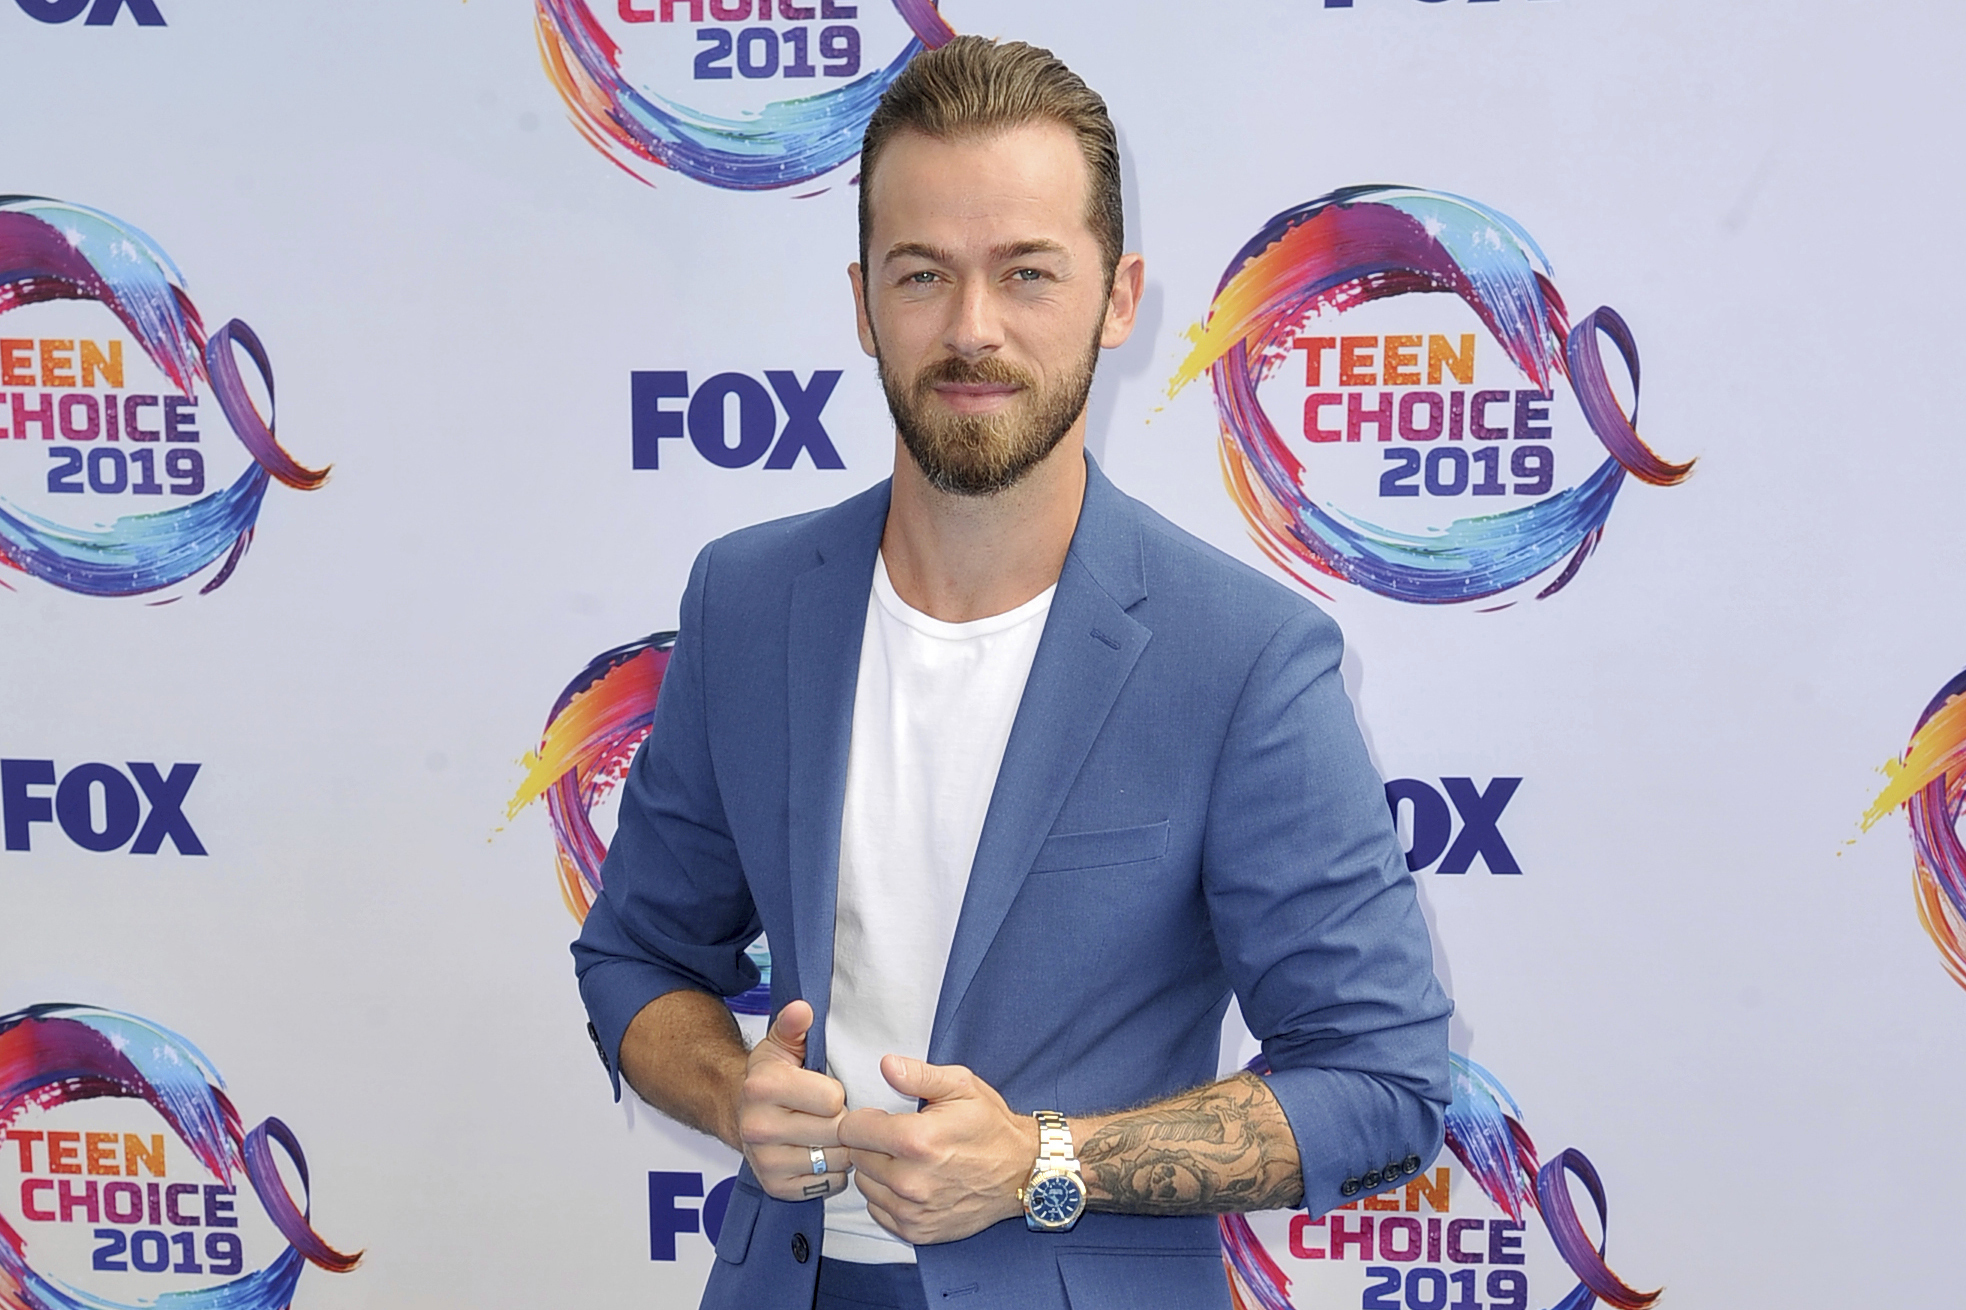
column 1185, row 807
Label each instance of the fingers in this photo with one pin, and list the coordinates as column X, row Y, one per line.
column 788, row 1088
column 776, row 1078
column 952, row 1169
column 925, row 1081
column 880, row 1191
column 786, row 1038
column 792, row 1173
column 916, row 1211
column 785, row 1112
column 880, row 1206
column 819, row 1187
column 877, row 1131
column 907, row 1218
column 777, row 1112
column 880, row 1216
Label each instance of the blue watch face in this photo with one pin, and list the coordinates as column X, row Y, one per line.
column 1055, row 1200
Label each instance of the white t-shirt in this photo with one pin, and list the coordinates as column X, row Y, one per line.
column 931, row 713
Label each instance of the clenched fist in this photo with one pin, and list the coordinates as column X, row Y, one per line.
column 948, row 1171
column 784, row 1109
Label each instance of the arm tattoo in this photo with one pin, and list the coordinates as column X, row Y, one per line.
column 1218, row 1149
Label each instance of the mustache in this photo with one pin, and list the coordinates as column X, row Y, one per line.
column 988, row 371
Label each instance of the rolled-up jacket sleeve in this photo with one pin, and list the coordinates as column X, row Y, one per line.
column 674, row 910
column 1319, row 926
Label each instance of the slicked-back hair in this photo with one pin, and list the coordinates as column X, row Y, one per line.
column 973, row 87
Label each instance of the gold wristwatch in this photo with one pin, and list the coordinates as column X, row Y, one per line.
column 1054, row 1198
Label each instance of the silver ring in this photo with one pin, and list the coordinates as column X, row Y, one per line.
column 818, row 1155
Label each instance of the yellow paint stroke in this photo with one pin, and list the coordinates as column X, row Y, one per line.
column 1941, row 922
column 1937, row 748
column 568, row 740
column 1244, row 304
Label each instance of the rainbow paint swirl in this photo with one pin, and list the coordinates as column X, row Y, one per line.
column 592, row 733
column 1485, row 1133
column 50, row 250
column 1929, row 782
column 1361, row 244
column 785, row 144
column 52, row 1055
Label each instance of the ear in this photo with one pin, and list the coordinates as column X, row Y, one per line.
column 861, row 321
column 1129, row 283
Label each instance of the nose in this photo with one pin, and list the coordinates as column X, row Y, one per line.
column 975, row 328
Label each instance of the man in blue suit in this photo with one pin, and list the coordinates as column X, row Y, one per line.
column 1021, row 782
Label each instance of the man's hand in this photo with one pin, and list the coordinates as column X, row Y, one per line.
column 784, row 1108
column 952, row 1169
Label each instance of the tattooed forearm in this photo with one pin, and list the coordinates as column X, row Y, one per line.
column 1218, row 1149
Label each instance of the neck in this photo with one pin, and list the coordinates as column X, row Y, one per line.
column 958, row 558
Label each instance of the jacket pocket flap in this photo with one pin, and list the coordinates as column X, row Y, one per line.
column 1092, row 850
column 1144, row 1280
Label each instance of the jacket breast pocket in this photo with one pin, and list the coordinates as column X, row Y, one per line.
column 1098, row 850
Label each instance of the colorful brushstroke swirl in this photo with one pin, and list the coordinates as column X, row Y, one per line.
column 1362, row 244
column 52, row 1055
column 50, row 250
column 787, row 143
column 1929, row 783
column 1485, row 1133
column 591, row 736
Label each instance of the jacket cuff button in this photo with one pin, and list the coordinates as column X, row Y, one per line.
column 594, row 1036
column 1349, row 1187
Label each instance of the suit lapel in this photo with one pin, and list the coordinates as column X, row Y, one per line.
column 1088, row 650
column 828, row 619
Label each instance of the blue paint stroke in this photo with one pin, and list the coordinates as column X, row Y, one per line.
column 55, row 1054
column 1361, row 244
column 787, row 143
column 51, row 250
column 138, row 553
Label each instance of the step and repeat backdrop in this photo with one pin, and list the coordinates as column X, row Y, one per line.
column 316, row 694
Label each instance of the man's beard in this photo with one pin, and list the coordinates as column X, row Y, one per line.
column 982, row 454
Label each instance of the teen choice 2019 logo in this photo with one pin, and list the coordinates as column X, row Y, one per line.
column 1430, row 448
column 1929, row 783
column 115, row 479
column 748, row 95
column 591, row 736
column 126, row 1155
column 1457, row 1235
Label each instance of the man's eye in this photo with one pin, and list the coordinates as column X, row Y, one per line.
column 920, row 279
column 1028, row 275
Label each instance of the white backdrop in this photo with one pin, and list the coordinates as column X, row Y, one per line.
column 1703, row 977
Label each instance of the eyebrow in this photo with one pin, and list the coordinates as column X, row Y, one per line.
column 1018, row 249
column 998, row 254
